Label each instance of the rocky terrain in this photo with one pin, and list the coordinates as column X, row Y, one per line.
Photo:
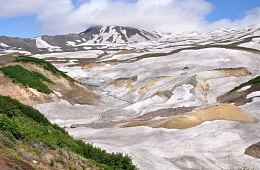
column 253, row 150
column 188, row 101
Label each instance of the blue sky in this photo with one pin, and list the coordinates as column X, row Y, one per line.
column 231, row 9
column 29, row 26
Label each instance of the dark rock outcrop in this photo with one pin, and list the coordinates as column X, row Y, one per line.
column 253, row 150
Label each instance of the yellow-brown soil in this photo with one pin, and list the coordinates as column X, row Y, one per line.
column 125, row 52
column 124, row 82
column 152, row 82
column 74, row 93
column 27, row 96
column 197, row 117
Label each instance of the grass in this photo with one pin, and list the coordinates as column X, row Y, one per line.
column 27, row 124
column 27, row 78
column 42, row 63
column 250, row 82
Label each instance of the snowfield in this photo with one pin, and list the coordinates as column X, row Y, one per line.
column 156, row 80
column 79, row 54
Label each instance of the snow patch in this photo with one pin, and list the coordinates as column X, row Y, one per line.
column 4, row 45
column 244, row 88
column 43, row 44
column 253, row 94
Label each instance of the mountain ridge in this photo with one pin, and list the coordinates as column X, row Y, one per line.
column 91, row 36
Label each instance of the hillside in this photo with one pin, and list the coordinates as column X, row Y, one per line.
column 187, row 101
column 34, row 81
column 29, row 141
column 177, row 93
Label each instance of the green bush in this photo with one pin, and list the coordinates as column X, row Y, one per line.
column 27, row 78
column 28, row 124
column 6, row 124
column 52, row 163
column 46, row 65
column 11, row 107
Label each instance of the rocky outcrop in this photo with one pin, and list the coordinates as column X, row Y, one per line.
column 253, row 150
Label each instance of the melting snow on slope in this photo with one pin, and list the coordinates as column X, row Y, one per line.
column 253, row 94
column 181, row 94
column 78, row 54
column 244, row 88
column 146, row 103
column 4, row 45
column 71, row 43
column 17, row 51
column 43, row 44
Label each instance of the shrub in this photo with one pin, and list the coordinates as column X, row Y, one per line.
column 28, row 124
column 27, row 78
column 12, row 108
column 46, row 65
column 6, row 124
column 52, row 163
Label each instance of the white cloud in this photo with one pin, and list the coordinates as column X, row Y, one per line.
column 252, row 18
column 61, row 16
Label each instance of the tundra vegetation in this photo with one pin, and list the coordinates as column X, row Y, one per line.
column 27, row 124
column 42, row 63
column 27, row 78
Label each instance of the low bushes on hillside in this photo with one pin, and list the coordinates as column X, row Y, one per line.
column 27, row 78
column 28, row 124
column 46, row 65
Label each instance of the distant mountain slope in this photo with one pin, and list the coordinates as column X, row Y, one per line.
column 118, row 34
column 103, row 37
column 93, row 35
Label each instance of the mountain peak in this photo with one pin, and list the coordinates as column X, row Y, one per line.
column 118, row 34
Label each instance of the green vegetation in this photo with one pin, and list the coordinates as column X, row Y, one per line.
column 27, row 78
column 250, row 82
column 27, row 124
column 46, row 65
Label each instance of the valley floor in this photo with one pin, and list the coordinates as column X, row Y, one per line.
column 218, row 144
column 157, row 82
column 212, row 145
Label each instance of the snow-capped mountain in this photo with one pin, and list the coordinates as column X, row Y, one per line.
column 115, row 36
column 118, row 34
column 71, row 42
